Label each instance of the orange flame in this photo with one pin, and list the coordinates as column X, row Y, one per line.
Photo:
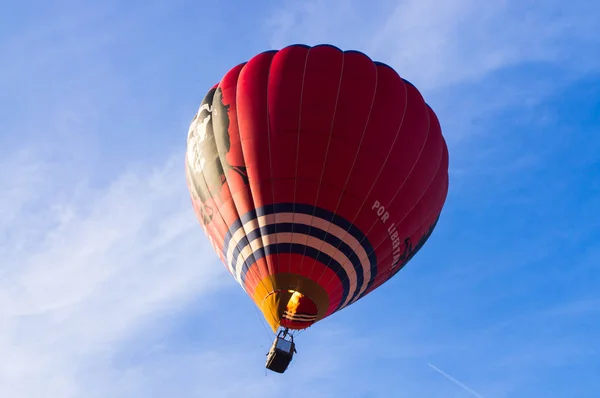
column 294, row 301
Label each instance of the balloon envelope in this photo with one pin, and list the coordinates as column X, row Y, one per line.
column 317, row 174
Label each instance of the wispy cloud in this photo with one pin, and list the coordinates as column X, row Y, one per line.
column 107, row 284
column 439, row 44
column 85, row 274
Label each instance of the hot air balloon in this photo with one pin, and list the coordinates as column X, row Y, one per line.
column 317, row 174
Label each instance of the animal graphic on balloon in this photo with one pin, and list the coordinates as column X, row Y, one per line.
column 208, row 145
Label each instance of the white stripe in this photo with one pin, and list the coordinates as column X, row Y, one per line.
column 306, row 219
column 297, row 317
column 307, row 240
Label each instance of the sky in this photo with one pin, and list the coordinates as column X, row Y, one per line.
column 109, row 288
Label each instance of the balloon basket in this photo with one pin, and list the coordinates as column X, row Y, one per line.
column 281, row 353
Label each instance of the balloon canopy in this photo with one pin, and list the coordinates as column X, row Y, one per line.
column 317, row 174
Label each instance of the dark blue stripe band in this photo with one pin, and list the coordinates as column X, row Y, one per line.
column 296, row 248
column 304, row 230
column 309, row 210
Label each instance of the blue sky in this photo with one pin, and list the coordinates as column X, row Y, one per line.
column 108, row 287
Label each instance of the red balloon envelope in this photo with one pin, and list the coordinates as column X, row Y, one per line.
column 317, row 174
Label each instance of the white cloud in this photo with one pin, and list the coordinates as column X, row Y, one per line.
column 436, row 44
column 228, row 367
column 80, row 276
column 85, row 271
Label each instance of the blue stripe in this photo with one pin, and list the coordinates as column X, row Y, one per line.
column 296, row 248
column 304, row 230
column 313, row 231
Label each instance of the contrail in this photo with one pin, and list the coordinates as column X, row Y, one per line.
column 452, row 379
